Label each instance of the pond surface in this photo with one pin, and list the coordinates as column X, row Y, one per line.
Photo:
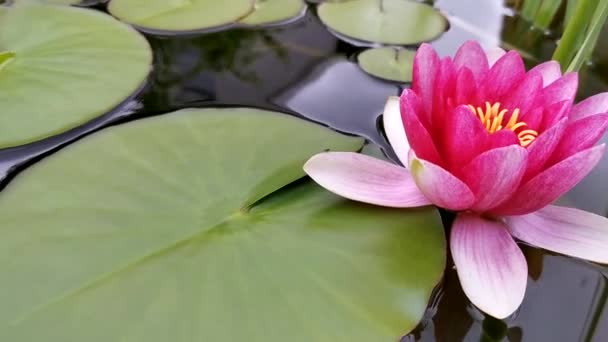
column 303, row 69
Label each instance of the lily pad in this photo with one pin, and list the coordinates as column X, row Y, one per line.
column 274, row 11
column 68, row 66
column 171, row 228
column 393, row 64
column 397, row 22
column 180, row 15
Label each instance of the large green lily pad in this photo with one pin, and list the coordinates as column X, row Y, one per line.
column 398, row 22
column 389, row 63
column 169, row 229
column 274, row 11
column 68, row 66
column 180, row 15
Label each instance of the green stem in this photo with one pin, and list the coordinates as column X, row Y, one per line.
column 5, row 58
column 574, row 33
column 585, row 51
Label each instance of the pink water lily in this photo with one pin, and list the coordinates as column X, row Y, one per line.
column 480, row 136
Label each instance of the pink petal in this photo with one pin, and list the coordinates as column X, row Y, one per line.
column 550, row 71
column 553, row 182
column 580, row 135
column 494, row 54
column 593, row 105
column 465, row 87
column 441, row 187
column 393, row 127
column 502, row 138
column 524, row 95
column 562, row 89
column 554, row 113
column 464, row 137
column 470, row 55
column 365, row 179
column 491, row 267
column 563, row 230
column 417, row 134
column 495, row 174
column 504, row 74
column 541, row 149
column 426, row 63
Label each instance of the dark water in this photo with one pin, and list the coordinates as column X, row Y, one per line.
column 302, row 69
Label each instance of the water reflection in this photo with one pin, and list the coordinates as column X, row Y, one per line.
column 338, row 93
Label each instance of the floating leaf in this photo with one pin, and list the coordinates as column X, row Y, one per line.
column 393, row 64
column 398, row 22
column 169, row 229
column 180, row 15
column 274, row 11
column 69, row 66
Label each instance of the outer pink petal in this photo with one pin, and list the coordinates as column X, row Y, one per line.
column 393, row 127
column 441, row 187
column 426, row 63
column 562, row 89
column 495, row 174
column 464, row 137
column 494, row 54
column 417, row 134
column 541, row 149
column 593, row 105
column 471, row 56
column 365, row 179
column 550, row 71
column 564, row 230
column 548, row 185
column 491, row 267
column 579, row 135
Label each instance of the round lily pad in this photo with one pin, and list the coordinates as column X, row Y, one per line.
column 183, row 227
column 168, row 16
column 389, row 63
column 64, row 67
column 274, row 11
column 398, row 22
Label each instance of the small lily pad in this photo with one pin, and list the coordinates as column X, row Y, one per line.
column 397, row 22
column 274, row 11
column 64, row 67
column 180, row 228
column 174, row 16
column 393, row 64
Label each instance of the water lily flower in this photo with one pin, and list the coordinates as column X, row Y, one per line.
column 480, row 136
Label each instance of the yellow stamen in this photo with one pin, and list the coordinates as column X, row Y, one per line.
column 493, row 118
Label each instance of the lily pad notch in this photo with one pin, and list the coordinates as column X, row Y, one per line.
column 391, row 22
column 68, row 74
column 140, row 227
column 178, row 17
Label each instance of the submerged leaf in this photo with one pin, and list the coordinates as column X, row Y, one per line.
column 398, row 22
column 69, row 66
column 169, row 229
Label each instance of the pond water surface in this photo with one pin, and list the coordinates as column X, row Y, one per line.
column 303, row 69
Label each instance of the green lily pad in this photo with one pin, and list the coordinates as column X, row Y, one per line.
column 180, row 15
column 274, row 11
column 68, row 66
column 171, row 228
column 398, row 22
column 393, row 64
